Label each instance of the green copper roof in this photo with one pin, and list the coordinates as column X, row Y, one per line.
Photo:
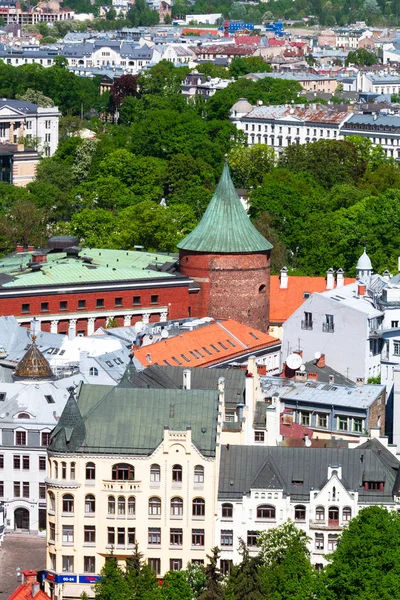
column 127, row 420
column 225, row 226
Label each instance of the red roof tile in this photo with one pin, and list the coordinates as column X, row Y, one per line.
column 284, row 302
column 24, row 592
column 275, row 42
column 205, row 346
column 249, row 40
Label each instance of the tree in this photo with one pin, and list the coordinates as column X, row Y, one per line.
column 214, row 589
column 83, row 159
column 176, row 587
column 23, row 223
column 61, row 62
column 196, row 578
column 112, row 585
column 287, row 572
column 329, row 161
column 111, row 14
column 36, row 97
column 366, row 563
column 362, row 58
column 244, row 579
column 250, row 164
column 253, row 64
column 140, row 15
column 122, row 87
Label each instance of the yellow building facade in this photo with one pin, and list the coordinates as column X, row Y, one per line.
column 164, row 499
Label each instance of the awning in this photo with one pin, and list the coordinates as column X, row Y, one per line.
column 73, row 590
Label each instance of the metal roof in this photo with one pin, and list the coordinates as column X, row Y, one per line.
column 321, row 393
column 225, row 226
column 298, row 471
column 127, row 420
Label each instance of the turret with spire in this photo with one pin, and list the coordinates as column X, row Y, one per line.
column 229, row 259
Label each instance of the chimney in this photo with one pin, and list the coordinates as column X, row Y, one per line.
column 20, row 248
column 361, row 289
column 320, row 361
column 31, row 248
column 284, row 279
column 330, row 279
column 339, row 278
column 29, row 577
column 39, row 257
column 299, row 352
column 360, row 381
column 71, row 331
column 187, row 379
column 311, row 376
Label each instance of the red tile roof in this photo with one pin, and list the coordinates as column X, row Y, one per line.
column 284, row 302
column 275, row 42
column 24, row 591
column 249, row 40
column 205, row 346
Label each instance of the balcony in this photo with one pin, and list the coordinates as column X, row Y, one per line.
column 129, row 486
column 326, row 524
column 307, row 325
column 328, row 327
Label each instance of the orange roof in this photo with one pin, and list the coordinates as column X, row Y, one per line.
column 205, row 346
column 24, row 592
column 284, row 302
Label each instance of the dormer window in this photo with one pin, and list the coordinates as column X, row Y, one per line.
column 23, row 416
column 374, row 486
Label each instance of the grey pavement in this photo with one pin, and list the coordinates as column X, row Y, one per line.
column 19, row 550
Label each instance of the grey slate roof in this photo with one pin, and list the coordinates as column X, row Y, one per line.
column 127, row 420
column 247, row 467
column 158, row 377
column 325, row 372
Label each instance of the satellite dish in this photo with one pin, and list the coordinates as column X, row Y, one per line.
column 317, row 355
column 164, row 334
column 294, row 361
column 139, row 326
column 302, row 368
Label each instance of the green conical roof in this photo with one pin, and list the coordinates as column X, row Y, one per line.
column 225, row 226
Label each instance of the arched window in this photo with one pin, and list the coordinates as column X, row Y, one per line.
column 64, row 470
column 23, row 416
column 55, row 469
column 155, row 474
column 93, row 372
column 131, row 505
column 121, row 505
column 265, row 511
column 154, row 506
column 198, row 475
column 320, row 513
column 90, row 471
column 72, row 470
column 122, row 472
column 176, row 507
column 333, row 515
column 90, row 504
column 346, row 513
column 68, row 503
column 177, row 474
column 227, row 511
column 52, row 501
column 299, row 513
column 198, row 507
column 111, row 505
column 262, row 289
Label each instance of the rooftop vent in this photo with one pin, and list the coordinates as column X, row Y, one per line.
column 59, row 243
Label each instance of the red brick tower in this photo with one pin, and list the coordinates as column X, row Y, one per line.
column 229, row 259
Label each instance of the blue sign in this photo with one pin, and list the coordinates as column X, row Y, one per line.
column 60, row 578
column 89, row 578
